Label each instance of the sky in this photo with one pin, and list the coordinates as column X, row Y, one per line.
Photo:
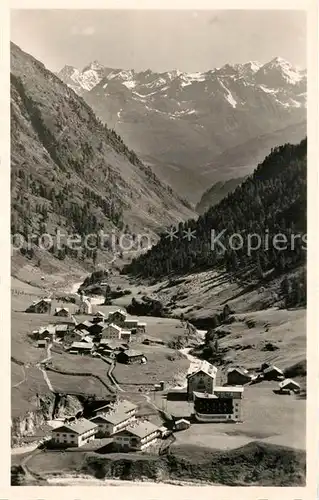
column 160, row 40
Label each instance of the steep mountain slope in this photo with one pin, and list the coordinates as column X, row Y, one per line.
column 186, row 119
column 69, row 171
column 269, row 203
column 216, row 193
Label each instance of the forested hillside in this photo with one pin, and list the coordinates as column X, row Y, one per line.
column 270, row 202
column 70, row 171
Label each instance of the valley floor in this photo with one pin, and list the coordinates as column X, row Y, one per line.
column 268, row 418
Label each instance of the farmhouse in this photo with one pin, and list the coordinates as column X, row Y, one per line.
column 117, row 317
column 62, row 311
column 238, row 376
column 181, row 424
column 130, row 356
column 96, row 328
column 99, row 316
column 81, row 347
column 224, row 405
column 202, row 380
column 273, row 373
column 112, row 331
column 289, row 385
column 76, row 433
column 110, row 423
column 137, row 437
column 42, row 306
column 46, row 332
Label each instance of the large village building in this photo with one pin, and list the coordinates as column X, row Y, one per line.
column 76, row 433
column 202, row 380
column 110, row 423
column 137, row 437
column 225, row 404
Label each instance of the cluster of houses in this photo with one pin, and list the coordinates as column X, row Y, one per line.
column 102, row 335
column 117, row 420
column 214, row 403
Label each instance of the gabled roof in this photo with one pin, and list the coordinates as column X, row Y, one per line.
column 119, row 311
column 125, row 332
column 123, row 405
column 142, row 429
column 182, row 420
column 61, row 328
column 48, row 328
column 81, row 345
column 58, row 309
column 131, row 353
column 242, row 371
column 288, row 381
column 115, row 327
column 206, row 368
column 76, row 427
column 100, row 313
column 273, row 368
column 114, row 418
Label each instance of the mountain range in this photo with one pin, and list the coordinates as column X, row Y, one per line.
column 183, row 124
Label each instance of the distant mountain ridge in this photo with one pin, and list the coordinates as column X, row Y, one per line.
column 179, row 122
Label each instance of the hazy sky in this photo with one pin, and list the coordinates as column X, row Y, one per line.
column 159, row 40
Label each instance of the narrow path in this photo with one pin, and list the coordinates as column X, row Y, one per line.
column 24, row 378
column 40, row 366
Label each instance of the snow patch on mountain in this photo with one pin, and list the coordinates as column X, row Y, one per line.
column 228, row 96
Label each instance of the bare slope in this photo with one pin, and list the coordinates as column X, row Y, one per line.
column 68, row 169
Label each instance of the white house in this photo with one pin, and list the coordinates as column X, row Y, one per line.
column 110, row 423
column 76, row 433
column 290, row 385
column 137, row 437
column 202, row 380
